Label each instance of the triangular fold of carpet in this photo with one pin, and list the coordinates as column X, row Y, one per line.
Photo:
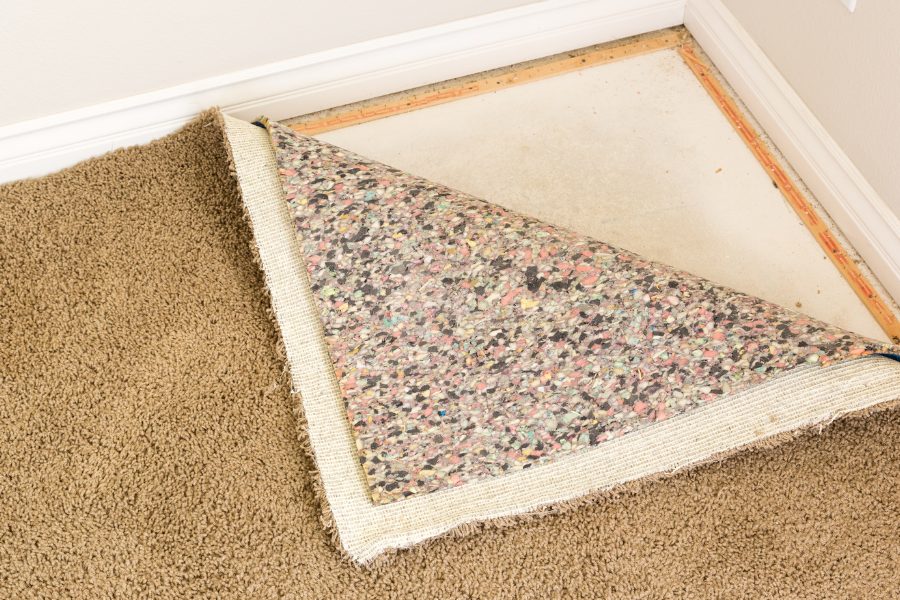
column 459, row 362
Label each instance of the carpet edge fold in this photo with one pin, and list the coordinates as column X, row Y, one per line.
column 806, row 399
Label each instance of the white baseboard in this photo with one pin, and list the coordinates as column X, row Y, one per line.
column 860, row 212
column 331, row 78
column 394, row 63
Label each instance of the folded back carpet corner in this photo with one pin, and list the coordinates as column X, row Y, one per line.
column 151, row 449
column 458, row 362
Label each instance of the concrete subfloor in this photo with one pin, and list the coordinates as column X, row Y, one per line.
column 632, row 153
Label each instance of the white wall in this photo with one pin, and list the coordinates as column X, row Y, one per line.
column 58, row 55
column 846, row 67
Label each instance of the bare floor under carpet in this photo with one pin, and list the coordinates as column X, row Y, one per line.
column 635, row 154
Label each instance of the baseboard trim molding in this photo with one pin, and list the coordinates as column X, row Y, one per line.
column 403, row 61
column 331, row 78
column 858, row 210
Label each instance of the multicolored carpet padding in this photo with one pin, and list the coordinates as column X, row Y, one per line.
column 459, row 362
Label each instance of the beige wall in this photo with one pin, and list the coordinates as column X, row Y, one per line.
column 57, row 55
column 846, row 67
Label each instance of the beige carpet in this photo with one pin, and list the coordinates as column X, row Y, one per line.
column 145, row 452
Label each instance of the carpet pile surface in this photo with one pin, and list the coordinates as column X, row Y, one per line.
column 150, row 443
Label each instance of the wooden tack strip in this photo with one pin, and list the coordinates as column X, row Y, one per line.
column 833, row 249
column 485, row 86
